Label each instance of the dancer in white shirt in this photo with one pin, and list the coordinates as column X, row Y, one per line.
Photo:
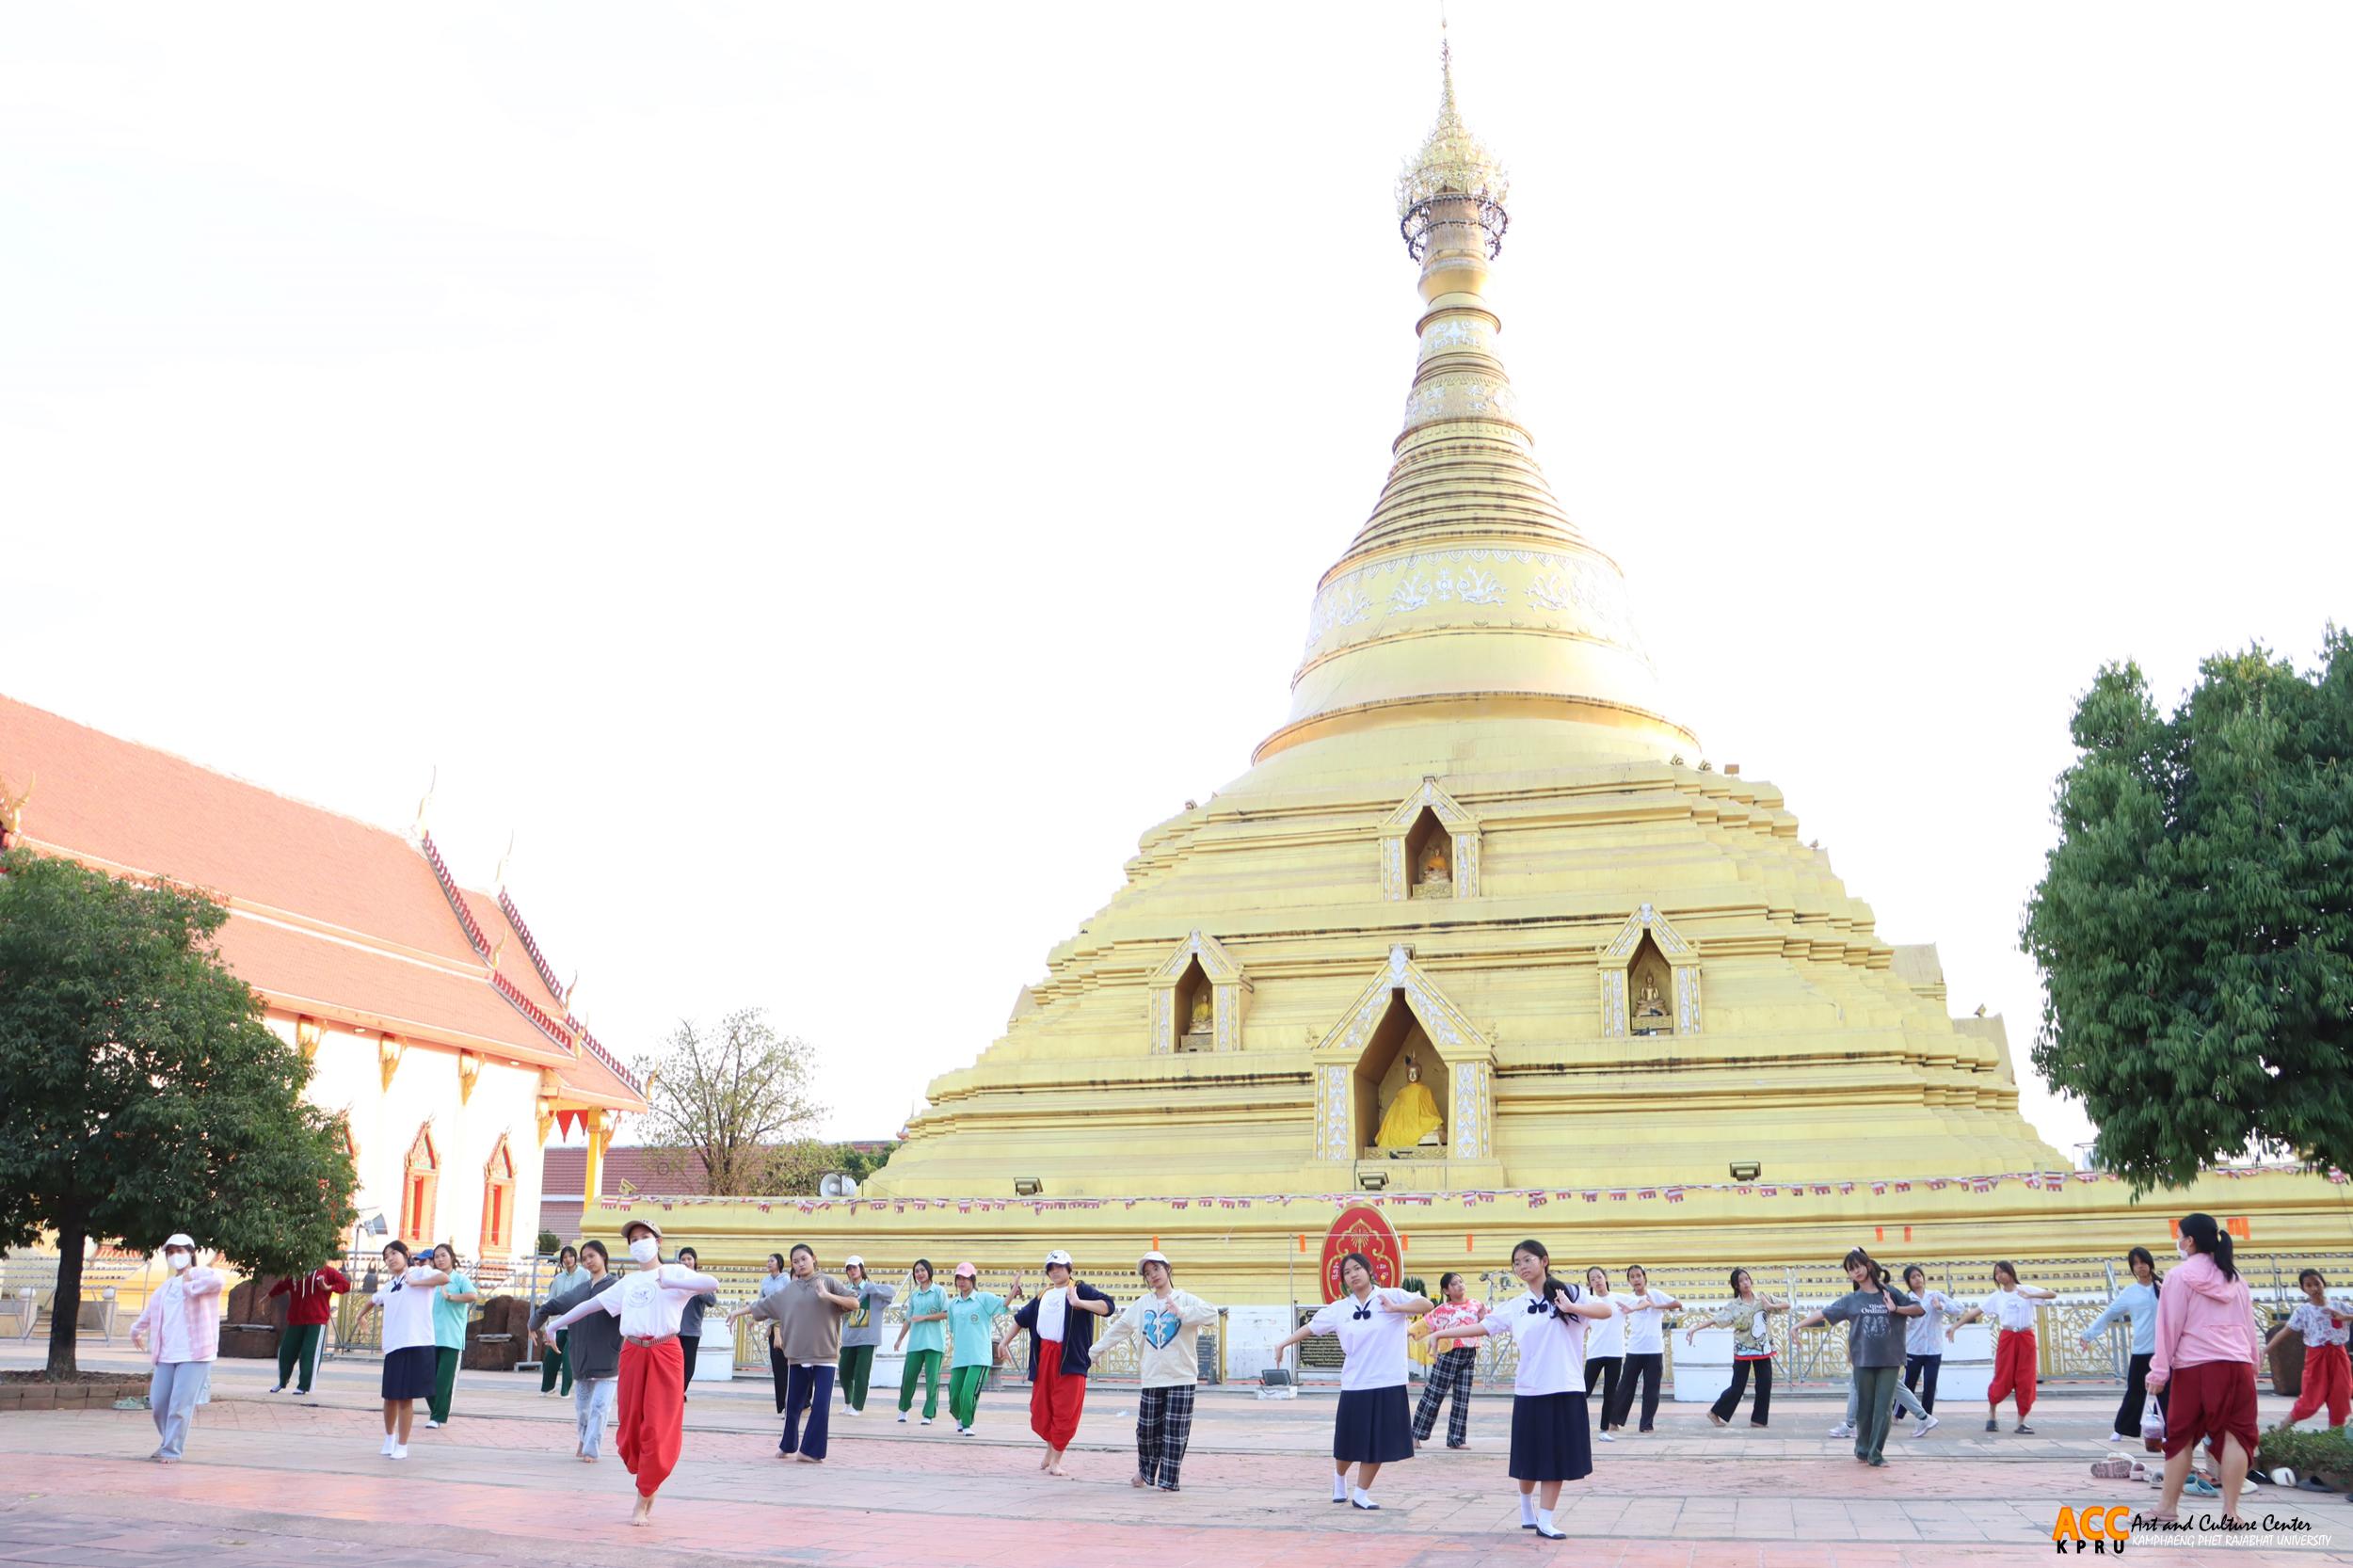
column 1645, row 1312
column 649, row 1303
column 410, row 1351
column 2011, row 1305
column 1605, row 1349
column 1550, row 1441
column 1374, row 1425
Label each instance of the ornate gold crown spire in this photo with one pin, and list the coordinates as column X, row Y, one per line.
column 1468, row 593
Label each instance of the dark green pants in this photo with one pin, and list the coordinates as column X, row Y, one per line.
column 857, row 1367
column 298, row 1353
column 923, row 1365
column 964, row 1393
column 1875, row 1398
column 552, row 1363
column 444, row 1382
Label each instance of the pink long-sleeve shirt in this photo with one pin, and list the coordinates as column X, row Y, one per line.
column 2203, row 1317
column 182, row 1318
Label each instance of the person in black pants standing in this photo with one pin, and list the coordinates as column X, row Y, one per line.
column 1605, row 1351
column 690, row 1328
column 1924, row 1340
column 778, row 1279
column 1645, row 1312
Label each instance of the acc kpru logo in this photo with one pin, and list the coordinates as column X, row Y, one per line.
column 2094, row 1527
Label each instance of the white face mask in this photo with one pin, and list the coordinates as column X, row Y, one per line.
column 645, row 1249
column 176, row 1261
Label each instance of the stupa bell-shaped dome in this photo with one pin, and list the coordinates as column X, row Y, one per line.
column 1468, row 593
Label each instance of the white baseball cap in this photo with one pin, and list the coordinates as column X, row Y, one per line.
column 1159, row 1257
column 854, row 1261
column 180, row 1239
column 1058, row 1255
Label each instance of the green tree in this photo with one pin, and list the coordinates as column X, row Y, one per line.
column 140, row 1092
column 734, row 1100
column 2194, row 923
column 859, row 1163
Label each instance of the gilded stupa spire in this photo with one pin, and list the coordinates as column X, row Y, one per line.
column 1468, row 593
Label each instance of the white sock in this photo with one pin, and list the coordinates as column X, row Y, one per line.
column 1339, row 1489
column 1363, row 1499
column 1543, row 1522
column 1527, row 1508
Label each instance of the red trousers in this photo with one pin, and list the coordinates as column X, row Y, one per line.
column 2327, row 1380
column 653, row 1411
column 1056, row 1398
column 2013, row 1369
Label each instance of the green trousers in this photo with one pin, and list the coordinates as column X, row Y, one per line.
column 925, row 1365
column 552, row 1363
column 1875, row 1400
column 444, row 1382
column 964, row 1393
column 857, row 1370
column 298, row 1353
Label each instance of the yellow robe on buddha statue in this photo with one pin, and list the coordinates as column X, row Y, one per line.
column 1412, row 1116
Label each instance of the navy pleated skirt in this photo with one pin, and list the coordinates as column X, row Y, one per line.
column 408, row 1374
column 1375, row 1426
column 1551, row 1437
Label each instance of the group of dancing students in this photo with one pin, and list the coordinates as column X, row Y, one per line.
column 630, row 1339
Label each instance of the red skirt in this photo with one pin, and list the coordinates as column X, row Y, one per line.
column 2210, row 1400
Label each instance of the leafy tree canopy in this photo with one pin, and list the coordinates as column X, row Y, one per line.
column 736, row 1100
column 141, row 1093
column 2194, row 923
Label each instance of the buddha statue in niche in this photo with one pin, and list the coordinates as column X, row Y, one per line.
column 1202, row 1020
column 1411, row 1119
column 1650, row 1007
column 1434, row 868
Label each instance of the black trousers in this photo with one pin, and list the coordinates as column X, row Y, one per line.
column 2136, row 1398
column 1641, row 1367
column 1604, row 1370
column 778, row 1369
column 688, row 1344
column 1729, row 1401
column 1920, row 1377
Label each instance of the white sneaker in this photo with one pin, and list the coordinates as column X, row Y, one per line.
column 432, row 1426
column 1842, row 1430
column 927, row 1420
column 400, row 1451
column 2116, row 1437
column 1607, row 1438
column 1928, row 1425
column 903, row 1417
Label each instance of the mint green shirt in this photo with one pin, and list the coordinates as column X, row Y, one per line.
column 926, row 1337
column 969, row 1318
column 449, row 1317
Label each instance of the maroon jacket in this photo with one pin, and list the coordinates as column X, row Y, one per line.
column 311, row 1295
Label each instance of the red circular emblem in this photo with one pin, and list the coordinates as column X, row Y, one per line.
column 1366, row 1230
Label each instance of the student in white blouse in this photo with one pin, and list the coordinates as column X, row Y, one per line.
column 1374, row 1425
column 651, row 1302
column 1605, row 1349
column 1549, row 1439
column 411, row 1354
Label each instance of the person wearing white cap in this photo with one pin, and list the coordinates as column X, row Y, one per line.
column 972, row 1346
column 183, row 1315
column 649, row 1303
column 861, row 1331
column 411, row 1352
column 1166, row 1323
column 1061, row 1335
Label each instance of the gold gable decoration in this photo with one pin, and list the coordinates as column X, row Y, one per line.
column 1397, row 850
column 1338, row 1061
column 1682, row 1002
column 1226, row 983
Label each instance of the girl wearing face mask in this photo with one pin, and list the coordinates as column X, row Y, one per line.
column 1374, row 1425
column 411, row 1355
column 592, row 1352
column 183, row 1315
column 1551, row 1436
column 2204, row 1361
column 649, row 1303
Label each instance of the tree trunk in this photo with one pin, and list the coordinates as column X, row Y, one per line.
column 65, row 1307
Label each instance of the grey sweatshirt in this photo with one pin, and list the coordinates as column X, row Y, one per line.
column 593, row 1345
column 865, row 1325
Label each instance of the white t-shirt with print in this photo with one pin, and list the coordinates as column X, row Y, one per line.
column 1372, row 1341
column 2316, row 1325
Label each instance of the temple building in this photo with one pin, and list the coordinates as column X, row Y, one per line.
column 1479, row 912
column 432, row 1020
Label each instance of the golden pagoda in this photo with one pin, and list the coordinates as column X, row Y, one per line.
column 1482, row 855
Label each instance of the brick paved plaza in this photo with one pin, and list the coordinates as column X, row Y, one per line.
column 272, row 1480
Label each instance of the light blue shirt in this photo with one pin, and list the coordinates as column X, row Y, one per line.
column 926, row 1337
column 2138, row 1302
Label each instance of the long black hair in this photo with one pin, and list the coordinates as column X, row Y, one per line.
column 2212, row 1239
column 2140, row 1255
column 1360, row 1260
column 1878, row 1270
column 1553, row 1284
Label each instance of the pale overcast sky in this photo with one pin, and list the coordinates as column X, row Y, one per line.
column 827, row 479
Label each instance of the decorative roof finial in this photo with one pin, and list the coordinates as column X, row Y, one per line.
column 1454, row 180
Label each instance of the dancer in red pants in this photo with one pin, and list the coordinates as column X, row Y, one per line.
column 2327, row 1376
column 649, row 1303
column 2011, row 1305
column 1062, row 1336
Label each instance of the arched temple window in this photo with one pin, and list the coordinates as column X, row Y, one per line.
column 421, row 1183
column 498, row 1201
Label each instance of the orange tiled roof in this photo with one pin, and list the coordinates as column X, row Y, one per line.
column 327, row 915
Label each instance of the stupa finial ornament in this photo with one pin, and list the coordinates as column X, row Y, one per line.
column 1454, row 182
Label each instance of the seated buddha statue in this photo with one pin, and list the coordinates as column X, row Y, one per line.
column 1202, row 1024
column 1412, row 1118
column 1649, row 1008
column 1434, row 869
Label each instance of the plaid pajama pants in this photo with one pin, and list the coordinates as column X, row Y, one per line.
column 1164, row 1426
column 1451, row 1373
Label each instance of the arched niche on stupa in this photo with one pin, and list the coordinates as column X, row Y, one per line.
column 1428, row 847
column 1362, row 1058
column 1650, row 978
column 1194, row 998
